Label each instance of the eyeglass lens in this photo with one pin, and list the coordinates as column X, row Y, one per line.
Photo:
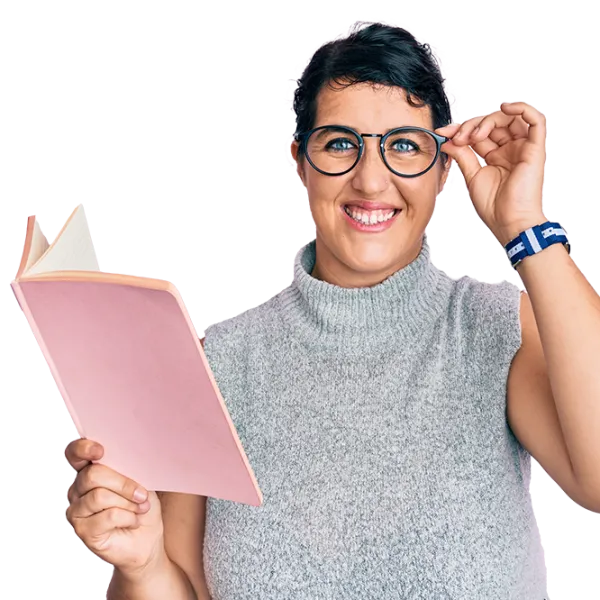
column 408, row 152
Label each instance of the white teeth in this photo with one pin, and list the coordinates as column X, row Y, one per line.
column 369, row 217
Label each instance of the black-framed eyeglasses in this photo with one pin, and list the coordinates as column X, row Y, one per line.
column 336, row 149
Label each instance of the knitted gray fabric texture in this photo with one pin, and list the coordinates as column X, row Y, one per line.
column 375, row 422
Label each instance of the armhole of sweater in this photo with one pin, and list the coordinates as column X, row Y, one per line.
column 500, row 318
column 514, row 332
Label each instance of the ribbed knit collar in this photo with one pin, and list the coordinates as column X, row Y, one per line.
column 330, row 317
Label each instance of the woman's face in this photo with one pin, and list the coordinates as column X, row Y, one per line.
column 347, row 256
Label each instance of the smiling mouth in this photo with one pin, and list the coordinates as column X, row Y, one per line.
column 371, row 217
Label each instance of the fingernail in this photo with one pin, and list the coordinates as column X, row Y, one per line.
column 95, row 450
column 139, row 495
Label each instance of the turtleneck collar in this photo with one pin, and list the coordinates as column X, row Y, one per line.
column 330, row 317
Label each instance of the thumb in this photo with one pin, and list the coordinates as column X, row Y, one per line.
column 464, row 155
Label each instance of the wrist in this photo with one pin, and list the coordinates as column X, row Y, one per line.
column 507, row 233
column 157, row 563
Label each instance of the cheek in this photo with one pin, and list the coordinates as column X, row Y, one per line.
column 419, row 192
column 324, row 192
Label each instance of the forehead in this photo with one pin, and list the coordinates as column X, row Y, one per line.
column 368, row 108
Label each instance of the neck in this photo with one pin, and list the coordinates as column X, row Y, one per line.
column 330, row 269
column 337, row 318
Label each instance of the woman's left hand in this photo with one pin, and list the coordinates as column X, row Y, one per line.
column 507, row 192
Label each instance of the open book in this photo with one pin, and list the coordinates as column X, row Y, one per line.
column 130, row 368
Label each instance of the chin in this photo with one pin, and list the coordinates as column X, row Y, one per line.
column 372, row 260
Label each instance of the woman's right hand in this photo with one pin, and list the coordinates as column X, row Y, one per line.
column 122, row 529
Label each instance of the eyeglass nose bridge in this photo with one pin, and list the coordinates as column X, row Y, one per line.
column 362, row 148
column 374, row 135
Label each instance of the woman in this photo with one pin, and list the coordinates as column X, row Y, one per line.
column 378, row 400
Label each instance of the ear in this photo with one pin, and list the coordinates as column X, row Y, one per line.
column 299, row 161
column 445, row 172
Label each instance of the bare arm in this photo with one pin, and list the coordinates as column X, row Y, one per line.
column 165, row 580
column 184, row 518
column 178, row 573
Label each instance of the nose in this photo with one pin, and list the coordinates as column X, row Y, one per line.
column 371, row 176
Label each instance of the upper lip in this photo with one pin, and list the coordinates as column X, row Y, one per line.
column 370, row 205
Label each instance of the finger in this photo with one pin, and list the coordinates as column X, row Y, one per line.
column 72, row 494
column 464, row 132
column 500, row 128
column 501, row 135
column 104, row 522
column 464, row 135
column 96, row 476
column 81, row 452
column 516, row 129
column 519, row 128
column 100, row 499
column 534, row 118
column 484, row 147
column 465, row 157
column 490, row 128
column 448, row 130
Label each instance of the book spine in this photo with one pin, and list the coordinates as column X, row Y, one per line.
column 40, row 340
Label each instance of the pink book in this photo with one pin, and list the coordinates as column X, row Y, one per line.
column 130, row 368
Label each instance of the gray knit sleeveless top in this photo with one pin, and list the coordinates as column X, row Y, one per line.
column 375, row 422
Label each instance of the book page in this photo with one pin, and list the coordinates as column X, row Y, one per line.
column 39, row 245
column 72, row 250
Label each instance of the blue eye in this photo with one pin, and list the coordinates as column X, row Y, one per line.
column 408, row 145
column 340, row 144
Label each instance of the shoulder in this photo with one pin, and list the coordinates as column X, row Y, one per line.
column 237, row 332
column 476, row 294
column 235, row 350
column 489, row 313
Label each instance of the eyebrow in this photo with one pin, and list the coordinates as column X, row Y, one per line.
column 357, row 129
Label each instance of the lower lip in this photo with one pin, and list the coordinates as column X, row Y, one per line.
column 375, row 228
